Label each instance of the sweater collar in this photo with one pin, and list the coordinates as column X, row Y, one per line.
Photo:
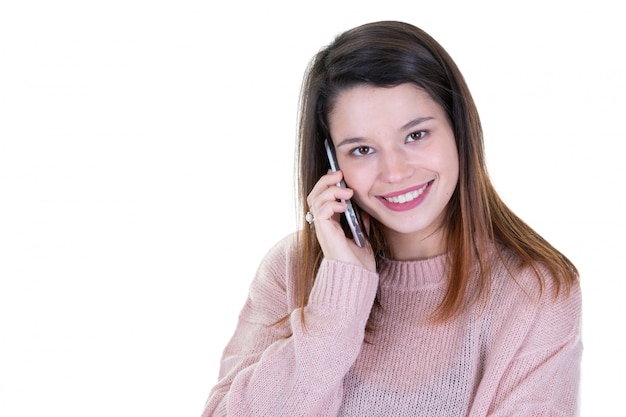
column 413, row 275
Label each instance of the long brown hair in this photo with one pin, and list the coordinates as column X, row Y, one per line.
column 387, row 54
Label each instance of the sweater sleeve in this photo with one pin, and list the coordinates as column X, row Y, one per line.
column 542, row 374
column 297, row 368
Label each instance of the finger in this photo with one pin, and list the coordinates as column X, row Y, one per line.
column 330, row 211
column 328, row 180
column 327, row 189
column 330, row 195
column 333, row 192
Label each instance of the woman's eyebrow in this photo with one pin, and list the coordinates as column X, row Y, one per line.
column 416, row 122
column 349, row 141
column 412, row 123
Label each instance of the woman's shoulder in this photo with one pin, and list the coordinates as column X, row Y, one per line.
column 282, row 253
column 270, row 295
column 534, row 298
column 280, row 261
column 534, row 278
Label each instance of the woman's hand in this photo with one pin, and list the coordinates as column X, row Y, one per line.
column 326, row 209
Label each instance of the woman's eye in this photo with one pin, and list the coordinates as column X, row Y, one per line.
column 362, row 150
column 415, row 136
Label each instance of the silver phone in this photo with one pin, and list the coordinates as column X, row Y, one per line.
column 351, row 218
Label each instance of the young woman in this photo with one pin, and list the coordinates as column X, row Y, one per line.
column 454, row 306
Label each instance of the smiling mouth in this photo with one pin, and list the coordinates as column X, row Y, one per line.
column 409, row 196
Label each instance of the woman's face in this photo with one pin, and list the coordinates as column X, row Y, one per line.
column 397, row 152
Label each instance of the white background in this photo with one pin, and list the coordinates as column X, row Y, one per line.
column 146, row 153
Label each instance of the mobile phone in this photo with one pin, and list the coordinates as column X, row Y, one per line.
column 351, row 217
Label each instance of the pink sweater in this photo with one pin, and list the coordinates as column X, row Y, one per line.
column 518, row 354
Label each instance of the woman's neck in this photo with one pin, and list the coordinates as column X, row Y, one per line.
column 412, row 247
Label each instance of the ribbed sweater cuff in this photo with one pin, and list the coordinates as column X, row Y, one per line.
column 344, row 287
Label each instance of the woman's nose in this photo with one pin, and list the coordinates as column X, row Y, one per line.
column 395, row 167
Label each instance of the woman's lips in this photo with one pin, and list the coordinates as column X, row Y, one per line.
column 406, row 199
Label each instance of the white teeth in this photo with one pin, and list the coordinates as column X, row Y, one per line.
column 405, row 198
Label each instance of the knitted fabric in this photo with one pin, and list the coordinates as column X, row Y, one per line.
column 515, row 353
